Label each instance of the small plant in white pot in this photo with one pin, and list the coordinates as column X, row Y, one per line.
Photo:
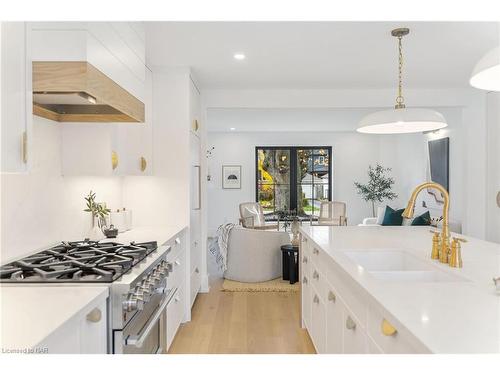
column 99, row 213
column 379, row 186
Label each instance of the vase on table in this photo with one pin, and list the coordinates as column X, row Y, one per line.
column 295, row 231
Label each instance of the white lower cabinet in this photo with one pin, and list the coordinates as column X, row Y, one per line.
column 318, row 321
column 175, row 315
column 339, row 316
column 354, row 335
column 334, row 320
column 306, row 302
column 176, row 308
column 86, row 333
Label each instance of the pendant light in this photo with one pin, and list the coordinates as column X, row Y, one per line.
column 486, row 73
column 401, row 120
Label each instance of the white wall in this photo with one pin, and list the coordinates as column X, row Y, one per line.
column 352, row 153
column 43, row 208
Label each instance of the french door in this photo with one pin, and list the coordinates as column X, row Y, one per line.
column 293, row 178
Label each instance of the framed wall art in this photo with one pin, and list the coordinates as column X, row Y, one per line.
column 231, row 176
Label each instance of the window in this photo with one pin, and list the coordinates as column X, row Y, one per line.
column 293, row 178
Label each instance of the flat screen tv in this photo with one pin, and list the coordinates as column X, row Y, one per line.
column 439, row 158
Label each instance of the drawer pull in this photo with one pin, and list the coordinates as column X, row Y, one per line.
column 316, row 299
column 304, row 280
column 388, row 329
column 332, row 297
column 177, row 262
column 304, row 259
column 94, row 316
column 350, row 324
column 177, row 240
column 196, row 270
column 315, row 275
column 315, row 251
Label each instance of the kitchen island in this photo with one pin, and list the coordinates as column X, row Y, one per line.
column 377, row 290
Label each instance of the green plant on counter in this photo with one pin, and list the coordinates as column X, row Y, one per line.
column 98, row 210
column 379, row 186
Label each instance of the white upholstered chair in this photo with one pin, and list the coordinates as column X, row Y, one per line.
column 254, row 255
column 331, row 213
column 252, row 216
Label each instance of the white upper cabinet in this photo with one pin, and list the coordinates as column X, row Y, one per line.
column 133, row 143
column 15, row 97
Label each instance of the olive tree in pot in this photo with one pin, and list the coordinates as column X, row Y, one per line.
column 379, row 186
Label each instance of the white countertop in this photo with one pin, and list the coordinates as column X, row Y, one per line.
column 30, row 313
column 447, row 317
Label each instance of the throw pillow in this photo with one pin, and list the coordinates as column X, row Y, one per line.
column 393, row 217
column 424, row 219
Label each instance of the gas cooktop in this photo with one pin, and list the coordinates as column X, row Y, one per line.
column 77, row 262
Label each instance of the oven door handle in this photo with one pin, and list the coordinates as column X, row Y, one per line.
column 138, row 340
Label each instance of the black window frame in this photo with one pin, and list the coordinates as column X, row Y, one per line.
column 293, row 170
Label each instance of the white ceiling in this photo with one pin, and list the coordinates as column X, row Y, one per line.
column 320, row 54
column 298, row 119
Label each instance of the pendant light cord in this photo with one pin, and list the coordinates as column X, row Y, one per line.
column 400, row 101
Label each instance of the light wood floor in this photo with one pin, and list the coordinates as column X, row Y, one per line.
column 243, row 322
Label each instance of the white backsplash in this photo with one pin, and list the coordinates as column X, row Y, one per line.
column 42, row 208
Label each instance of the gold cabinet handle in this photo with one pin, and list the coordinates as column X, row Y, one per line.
column 144, row 164
column 350, row 323
column 24, row 147
column 196, row 125
column 332, row 297
column 388, row 329
column 94, row 316
column 114, row 160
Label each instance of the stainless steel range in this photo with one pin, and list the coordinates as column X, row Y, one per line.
column 137, row 274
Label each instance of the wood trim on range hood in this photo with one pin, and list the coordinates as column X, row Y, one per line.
column 106, row 101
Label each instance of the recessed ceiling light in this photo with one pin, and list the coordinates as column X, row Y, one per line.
column 239, row 56
column 232, row 128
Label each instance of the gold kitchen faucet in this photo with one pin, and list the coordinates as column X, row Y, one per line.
column 440, row 243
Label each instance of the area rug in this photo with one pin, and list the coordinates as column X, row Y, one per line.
column 276, row 285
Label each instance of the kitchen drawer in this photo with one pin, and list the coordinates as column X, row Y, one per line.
column 305, row 248
column 318, row 280
column 351, row 294
column 355, row 337
column 318, row 321
column 306, row 302
column 334, row 321
column 195, row 254
column 305, row 265
column 175, row 315
column 398, row 342
column 195, row 284
column 176, row 276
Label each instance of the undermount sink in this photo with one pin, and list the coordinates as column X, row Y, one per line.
column 398, row 265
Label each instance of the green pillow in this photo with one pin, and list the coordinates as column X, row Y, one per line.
column 393, row 217
column 424, row 219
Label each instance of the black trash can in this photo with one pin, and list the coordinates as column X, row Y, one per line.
column 290, row 263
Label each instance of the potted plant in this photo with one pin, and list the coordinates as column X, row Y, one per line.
column 379, row 186
column 99, row 213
